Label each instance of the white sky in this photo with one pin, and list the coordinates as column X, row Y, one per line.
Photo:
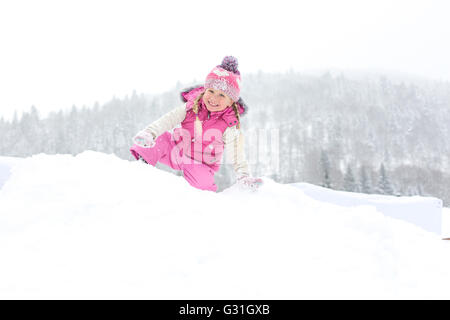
column 54, row 54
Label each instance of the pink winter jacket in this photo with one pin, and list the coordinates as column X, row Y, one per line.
column 218, row 129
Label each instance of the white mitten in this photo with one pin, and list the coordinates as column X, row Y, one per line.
column 250, row 182
column 144, row 139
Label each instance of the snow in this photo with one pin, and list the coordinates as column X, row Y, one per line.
column 93, row 226
column 426, row 212
column 6, row 164
column 446, row 223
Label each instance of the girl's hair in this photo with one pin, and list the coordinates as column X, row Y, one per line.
column 196, row 101
column 236, row 112
column 195, row 109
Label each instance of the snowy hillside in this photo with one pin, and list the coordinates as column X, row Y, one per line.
column 96, row 226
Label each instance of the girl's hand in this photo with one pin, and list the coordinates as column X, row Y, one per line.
column 250, row 182
column 144, row 139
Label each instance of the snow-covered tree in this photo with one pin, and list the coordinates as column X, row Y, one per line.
column 325, row 166
column 384, row 185
column 364, row 182
column 349, row 180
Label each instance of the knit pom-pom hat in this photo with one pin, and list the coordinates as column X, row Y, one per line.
column 226, row 77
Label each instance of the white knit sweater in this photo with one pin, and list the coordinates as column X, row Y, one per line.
column 232, row 138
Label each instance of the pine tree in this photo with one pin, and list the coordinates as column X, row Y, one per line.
column 384, row 185
column 3, row 133
column 325, row 165
column 72, row 134
column 364, row 183
column 349, row 181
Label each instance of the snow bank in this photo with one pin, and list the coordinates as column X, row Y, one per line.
column 425, row 212
column 6, row 163
column 95, row 226
column 446, row 223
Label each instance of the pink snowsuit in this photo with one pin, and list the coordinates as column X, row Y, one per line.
column 198, row 157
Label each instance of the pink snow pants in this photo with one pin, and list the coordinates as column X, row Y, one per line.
column 196, row 173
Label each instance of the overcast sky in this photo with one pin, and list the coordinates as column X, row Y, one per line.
column 54, row 54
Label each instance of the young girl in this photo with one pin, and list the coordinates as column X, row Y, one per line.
column 210, row 121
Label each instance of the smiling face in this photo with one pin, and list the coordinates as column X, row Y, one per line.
column 216, row 100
